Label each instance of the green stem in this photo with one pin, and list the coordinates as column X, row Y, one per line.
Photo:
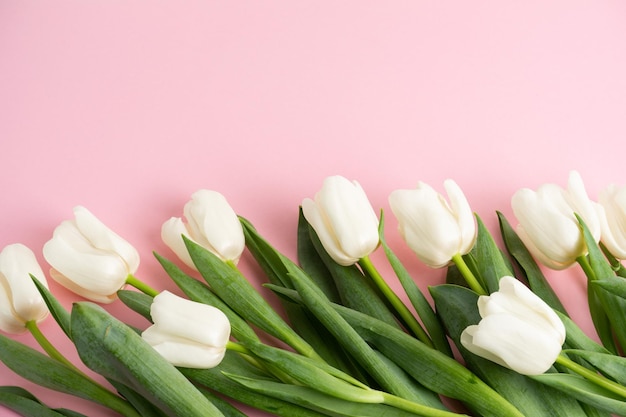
column 112, row 401
column 415, row 408
column 395, row 301
column 469, row 276
column 141, row 286
column 586, row 266
column 592, row 376
column 32, row 327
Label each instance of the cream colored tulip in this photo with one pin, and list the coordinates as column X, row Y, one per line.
column 211, row 223
column 343, row 219
column 518, row 330
column 613, row 218
column 20, row 301
column 548, row 226
column 90, row 259
column 187, row 333
column 433, row 228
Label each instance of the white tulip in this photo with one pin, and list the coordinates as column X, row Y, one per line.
column 211, row 223
column 90, row 259
column 517, row 330
column 343, row 219
column 20, row 301
column 548, row 226
column 613, row 218
column 435, row 230
column 187, row 333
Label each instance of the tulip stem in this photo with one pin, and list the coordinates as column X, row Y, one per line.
column 586, row 267
column 401, row 308
column 32, row 327
column 467, row 273
column 592, row 376
column 141, row 286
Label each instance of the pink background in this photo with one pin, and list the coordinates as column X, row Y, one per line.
column 129, row 107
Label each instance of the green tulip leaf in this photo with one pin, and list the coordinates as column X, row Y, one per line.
column 58, row 312
column 51, row 373
column 489, row 259
column 585, row 391
column 117, row 352
column 610, row 365
column 216, row 380
column 137, row 301
column 531, row 271
column 232, row 287
column 25, row 404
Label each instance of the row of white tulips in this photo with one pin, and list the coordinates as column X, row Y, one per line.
column 518, row 330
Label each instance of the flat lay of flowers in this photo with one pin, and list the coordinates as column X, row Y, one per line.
column 334, row 338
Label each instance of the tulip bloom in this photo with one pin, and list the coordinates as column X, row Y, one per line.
column 343, row 219
column 518, row 330
column 211, row 223
column 435, row 230
column 548, row 226
column 20, row 301
column 187, row 333
column 89, row 259
column 613, row 220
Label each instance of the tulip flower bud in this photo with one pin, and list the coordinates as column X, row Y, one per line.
column 187, row 333
column 211, row 223
column 435, row 230
column 88, row 258
column 518, row 330
column 613, row 218
column 548, row 226
column 20, row 301
column 343, row 219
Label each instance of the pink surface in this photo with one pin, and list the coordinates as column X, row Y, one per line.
column 128, row 107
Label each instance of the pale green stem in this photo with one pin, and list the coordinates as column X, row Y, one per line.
column 141, row 286
column 395, row 301
column 415, row 408
column 469, row 276
column 586, row 267
column 113, row 402
column 592, row 376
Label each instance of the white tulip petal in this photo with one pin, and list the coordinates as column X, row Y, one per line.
column 101, row 237
column 317, row 222
column 215, row 225
column 9, row 322
column 190, row 320
column 464, row 215
column 515, row 343
column 17, row 263
column 190, row 355
column 582, row 205
column 612, row 215
column 171, row 234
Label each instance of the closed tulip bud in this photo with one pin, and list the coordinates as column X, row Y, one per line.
column 90, row 259
column 548, row 225
column 517, row 330
column 211, row 223
column 20, row 301
column 613, row 218
column 435, row 230
column 187, row 333
column 343, row 219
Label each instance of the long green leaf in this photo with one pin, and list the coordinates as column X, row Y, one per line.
column 58, row 312
column 584, row 390
column 26, row 404
column 230, row 285
column 116, row 351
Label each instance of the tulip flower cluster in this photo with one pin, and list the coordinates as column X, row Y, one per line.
column 336, row 340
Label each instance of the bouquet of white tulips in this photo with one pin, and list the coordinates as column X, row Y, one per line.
column 495, row 342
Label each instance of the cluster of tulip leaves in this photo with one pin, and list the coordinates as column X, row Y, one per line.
column 348, row 351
